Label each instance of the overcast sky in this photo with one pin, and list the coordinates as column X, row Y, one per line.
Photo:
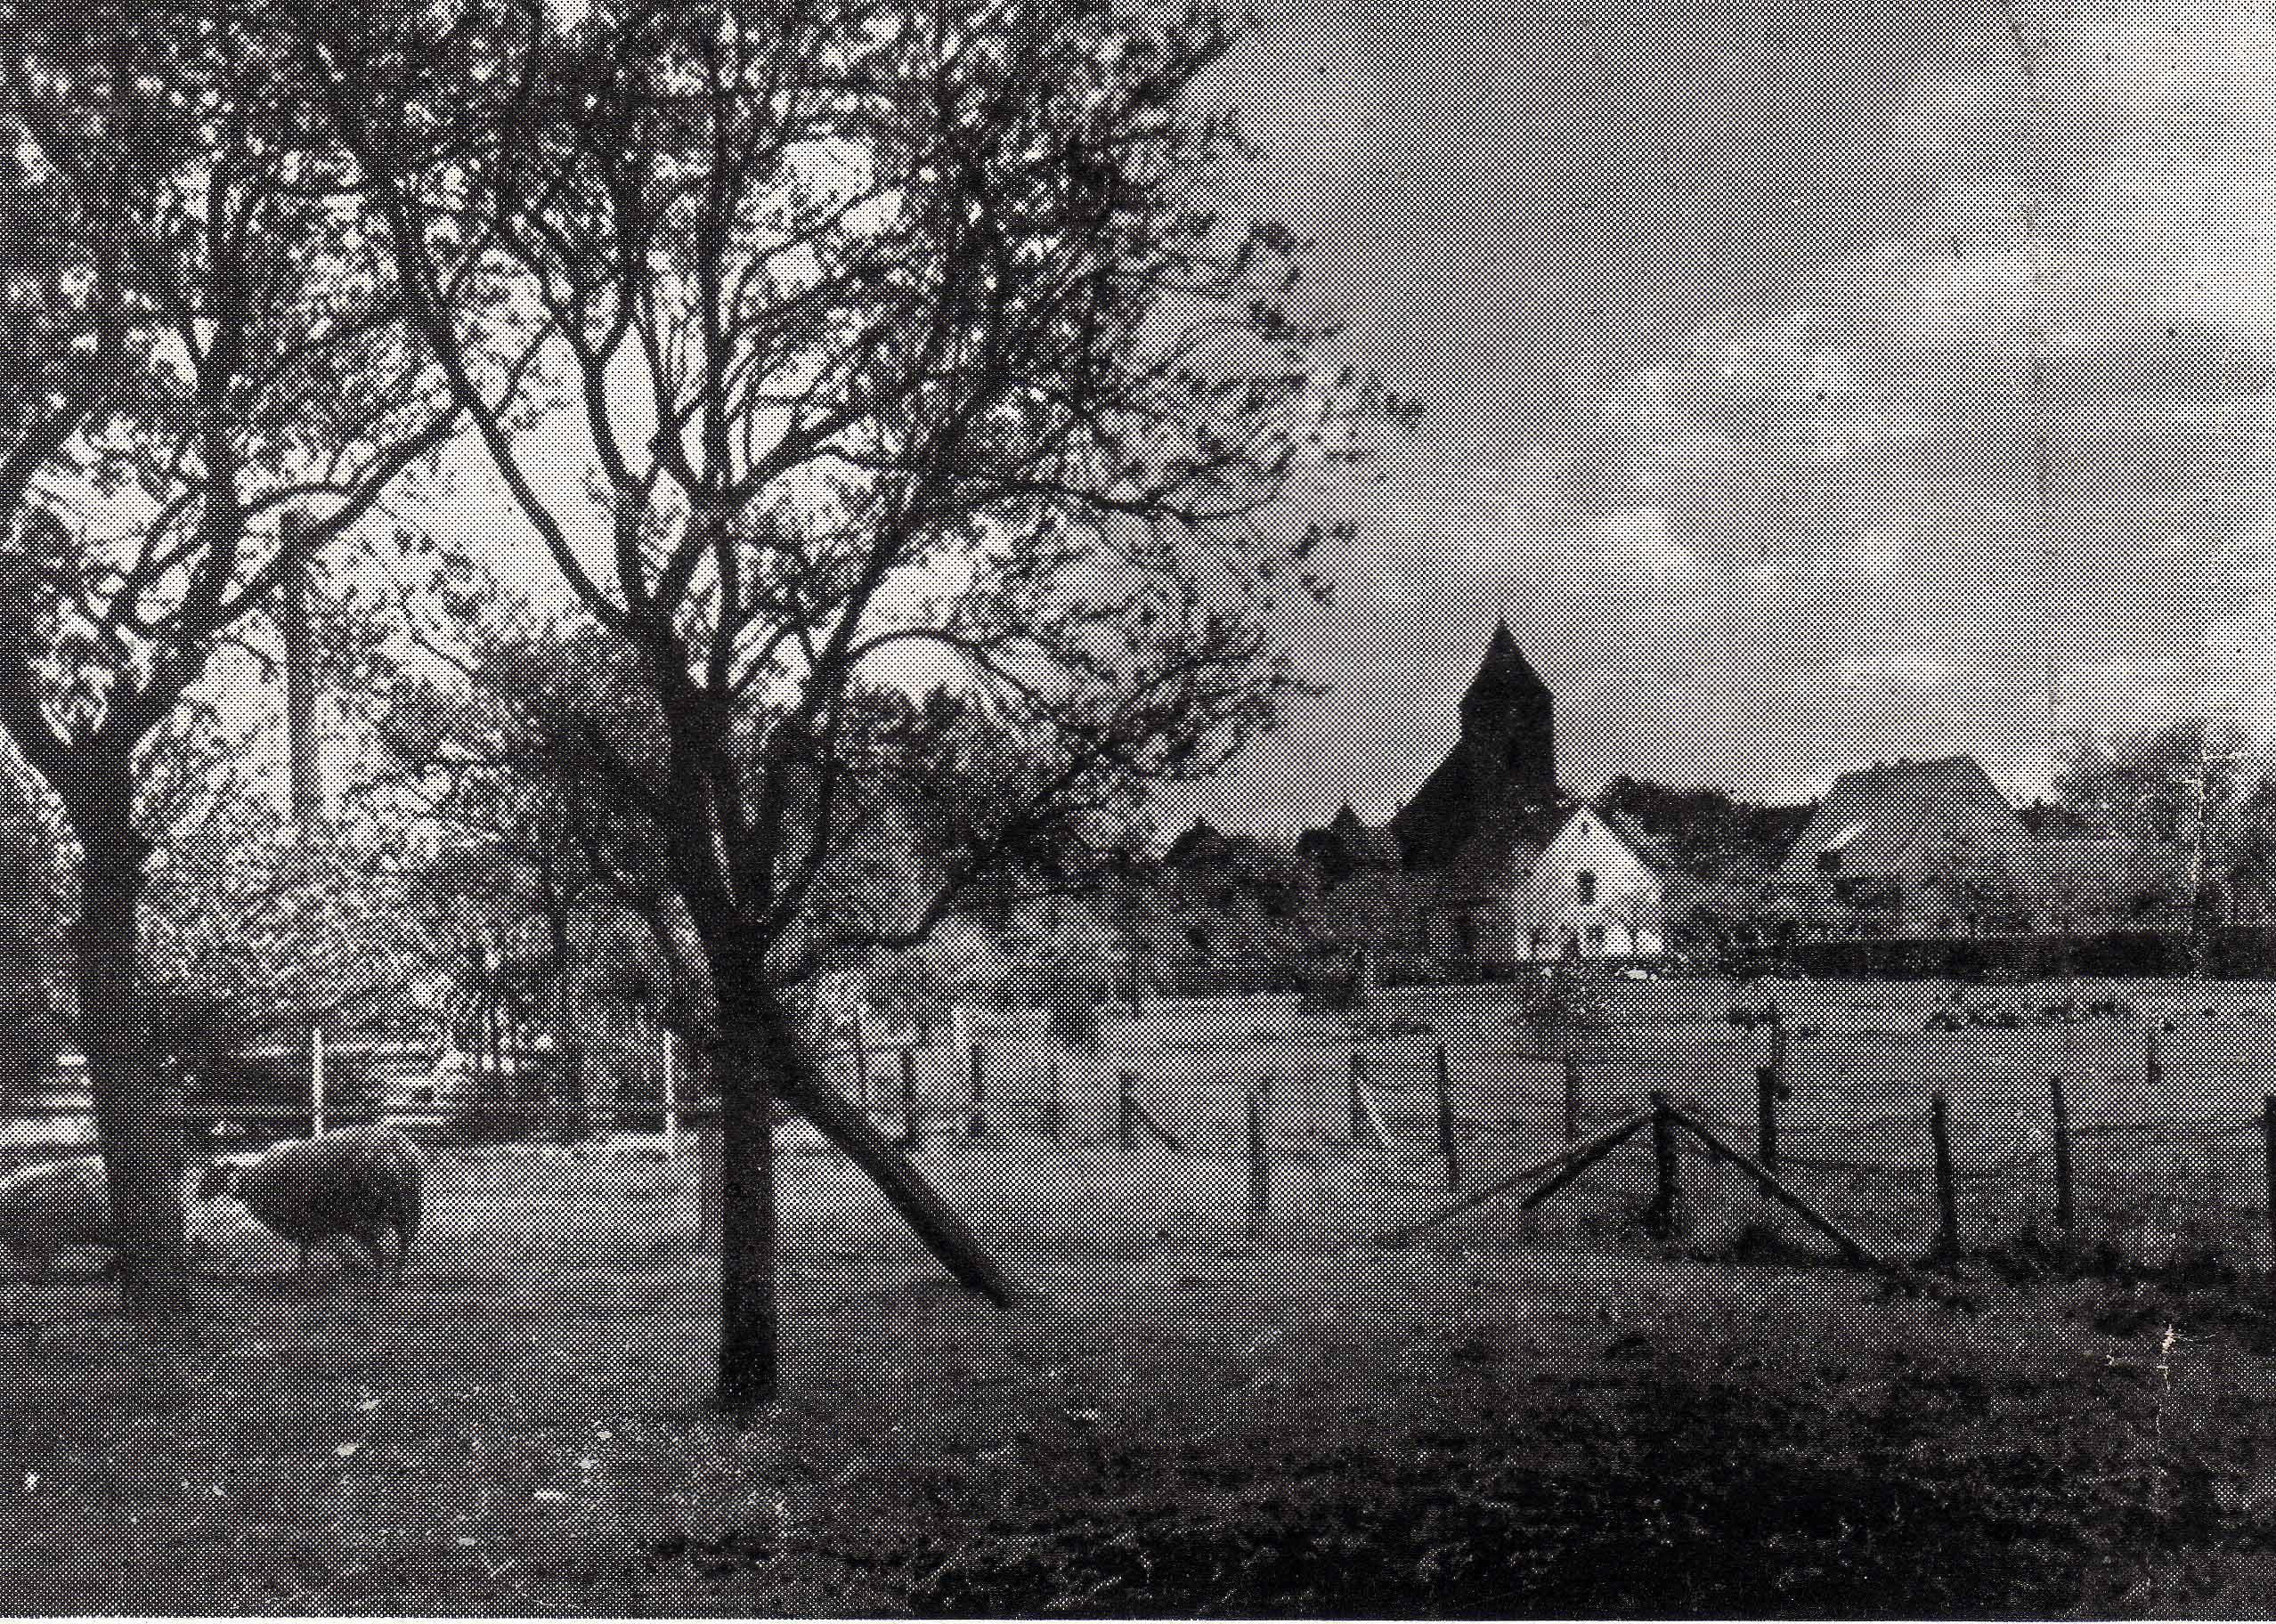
column 1725, row 311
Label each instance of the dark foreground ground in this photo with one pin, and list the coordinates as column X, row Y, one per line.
column 1224, row 1429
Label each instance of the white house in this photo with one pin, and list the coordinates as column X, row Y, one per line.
column 1590, row 885
column 1600, row 888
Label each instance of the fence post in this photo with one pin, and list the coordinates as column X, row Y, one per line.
column 1446, row 1147
column 1259, row 1167
column 671, row 1093
column 1054, row 1098
column 2268, row 1133
column 912, row 1113
column 710, row 1177
column 1362, row 1130
column 1771, row 1091
column 1665, row 1214
column 2153, row 1069
column 2065, row 1211
column 1122, row 1111
column 585, row 1122
column 861, row 1060
column 1947, row 1198
column 1572, row 1101
column 979, row 1123
column 316, row 1081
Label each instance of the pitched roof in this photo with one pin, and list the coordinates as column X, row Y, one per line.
column 1201, row 843
column 1648, row 847
column 1877, row 816
column 1499, row 854
column 1431, row 827
column 1506, row 679
column 1505, row 751
column 1353, row 841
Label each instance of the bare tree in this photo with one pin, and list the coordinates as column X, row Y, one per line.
column 212, row 346
column 901, row 341
column 2144, row 781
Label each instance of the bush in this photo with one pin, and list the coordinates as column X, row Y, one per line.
column 1073, row 1016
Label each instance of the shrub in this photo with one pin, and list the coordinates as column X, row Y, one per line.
column 1073, row 1016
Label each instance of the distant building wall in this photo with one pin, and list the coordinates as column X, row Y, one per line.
column 1590, row 893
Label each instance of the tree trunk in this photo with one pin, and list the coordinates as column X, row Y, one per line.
column 760, row 1057
column 300, row 684
column 749, row 1340
column 137, row 1111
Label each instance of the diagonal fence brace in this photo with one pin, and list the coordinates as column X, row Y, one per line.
column 1776, row 1189
column 1574, row 1159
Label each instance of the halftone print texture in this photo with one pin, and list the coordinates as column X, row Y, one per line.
column 1064, row 809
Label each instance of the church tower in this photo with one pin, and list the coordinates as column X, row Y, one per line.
column 1508, row 717
column 1504, row 761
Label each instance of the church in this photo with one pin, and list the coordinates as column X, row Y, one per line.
column 1490, row 866
column 1503, row 765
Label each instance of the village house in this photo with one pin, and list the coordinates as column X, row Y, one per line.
column 1490, row 866
column 1226, row 915
column 1360, row 902
column 1587, row 883
column 1927, row 850
column 1912, row 849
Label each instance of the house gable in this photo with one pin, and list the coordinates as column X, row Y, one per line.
column 1587, row 844
column 1909, row 820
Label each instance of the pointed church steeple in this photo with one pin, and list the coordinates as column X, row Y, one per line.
column 1507, row 688
column 1506, row 758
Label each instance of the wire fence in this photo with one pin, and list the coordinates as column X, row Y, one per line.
column 1255, row 1116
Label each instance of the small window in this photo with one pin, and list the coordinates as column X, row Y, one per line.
column 1586, row 884
column 1829, row 862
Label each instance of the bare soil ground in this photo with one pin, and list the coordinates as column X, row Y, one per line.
column 1196, row 1426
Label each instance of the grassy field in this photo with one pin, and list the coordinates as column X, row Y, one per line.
column 1862, row 1053
column 1170, row 1429
column 1521, row 1416
column 2182, row 1154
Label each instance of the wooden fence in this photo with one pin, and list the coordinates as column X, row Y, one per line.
column 1401, row 1099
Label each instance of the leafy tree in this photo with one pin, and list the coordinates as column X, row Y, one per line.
column 206, row 344
column 1710, row 832
column 253, row 931
column 34, row 989
column 901, row 343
